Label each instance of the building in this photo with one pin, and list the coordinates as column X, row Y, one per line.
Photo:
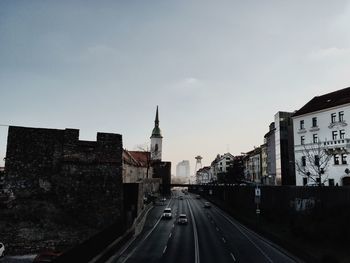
column 203, row 175
column 269, row 139
column 321, row 140
column 284, row 149
column 136, row 166
column 183, row 168
column 156, row 140
column 253, row 166
column 264, row 174
column 221, row 164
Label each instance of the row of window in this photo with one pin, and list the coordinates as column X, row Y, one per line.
column 336, row 159
column 333, row 120
column 330, row 181
column 335, row 134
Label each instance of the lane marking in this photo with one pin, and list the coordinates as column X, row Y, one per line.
column 195, row 234
column 233, row 257
column 170, row 235
column 223, row 240
column 165, row 249
column 143, row 240
column 238, row 228
column 217, row 229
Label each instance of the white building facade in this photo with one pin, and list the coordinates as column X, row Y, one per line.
column 322, row 140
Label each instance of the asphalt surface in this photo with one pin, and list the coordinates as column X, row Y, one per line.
column 210, row 236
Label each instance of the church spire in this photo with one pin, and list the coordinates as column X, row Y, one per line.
column 156, row 133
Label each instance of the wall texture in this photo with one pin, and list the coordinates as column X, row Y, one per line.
column 81, row 178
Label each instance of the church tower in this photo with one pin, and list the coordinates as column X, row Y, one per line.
column 156, row 141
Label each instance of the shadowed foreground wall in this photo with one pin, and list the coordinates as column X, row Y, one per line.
column 78, row 180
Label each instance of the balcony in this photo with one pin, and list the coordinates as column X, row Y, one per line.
column 300, row 131
column 314, row 128
column 340, row 143
column 337, row 124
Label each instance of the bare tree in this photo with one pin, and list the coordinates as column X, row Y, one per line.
column 315, row 161
column 145, row 148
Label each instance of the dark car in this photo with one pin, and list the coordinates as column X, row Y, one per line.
column 207, row 205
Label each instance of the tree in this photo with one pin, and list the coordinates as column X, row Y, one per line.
column 147, row 161
column 314, row 161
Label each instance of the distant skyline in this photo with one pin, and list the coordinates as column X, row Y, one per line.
column 219, row 70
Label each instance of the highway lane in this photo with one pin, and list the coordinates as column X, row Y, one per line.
column 219, row 238
column 243, row 244
column 151, row 247
column 211, row 245
column 180, row 247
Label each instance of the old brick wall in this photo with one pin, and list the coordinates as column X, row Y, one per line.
column 81, row 178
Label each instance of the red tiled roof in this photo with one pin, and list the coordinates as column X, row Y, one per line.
column 142, row 157
column 325, row 101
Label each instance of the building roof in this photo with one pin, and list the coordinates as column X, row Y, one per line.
column 138, row 158
column 325, row 101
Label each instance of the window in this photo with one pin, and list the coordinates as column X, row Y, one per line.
column 342, row 134
column 301, row 124
column 331, row 182
column 343, row 159
column 315, row 138
column 314, row 122
column 336, row 159
column 317, row 160
column 304, row 180
column 341, row 116
column 302, row 140
column 303, row 160
column 334, row 135
column 333, row 116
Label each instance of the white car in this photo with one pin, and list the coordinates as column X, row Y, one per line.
column 167, row 213
column 2, row 249
column 182, row 219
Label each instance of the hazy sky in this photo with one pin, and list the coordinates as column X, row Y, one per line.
column 219, row 70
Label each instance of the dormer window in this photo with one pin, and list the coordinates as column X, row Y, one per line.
column 314, row 122
column 302, row 126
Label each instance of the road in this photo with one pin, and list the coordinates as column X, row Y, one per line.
column 210, row 236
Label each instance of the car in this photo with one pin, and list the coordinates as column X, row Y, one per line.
column 163, row 199
column 181, row 197
column 182, row 220
column 198, row 197
column 207, row 205
column 46, row 256
column 167, row 213
column 2, row 249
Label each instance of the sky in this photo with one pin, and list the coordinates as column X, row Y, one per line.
column 219, row 70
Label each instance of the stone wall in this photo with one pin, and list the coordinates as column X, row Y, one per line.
column 162, row 170
column 80, row 179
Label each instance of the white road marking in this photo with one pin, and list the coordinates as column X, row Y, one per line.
column 217, row 229
column 164, row 249
column 170, row 235
column 223, row 240
column 143, row 240
column 195, row 234
column 238, row 228
column 233, row 257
